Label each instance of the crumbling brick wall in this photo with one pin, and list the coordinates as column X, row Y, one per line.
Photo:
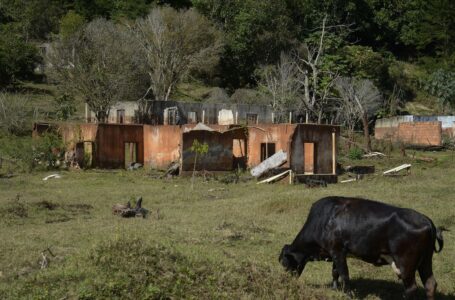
column 420, row 133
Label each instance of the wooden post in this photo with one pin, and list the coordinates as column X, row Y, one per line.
column 273, row 117
column 236, row 117
column 334, row 165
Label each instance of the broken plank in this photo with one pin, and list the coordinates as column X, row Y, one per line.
column 348, row 180
column 275, row 177
column 397, row 169
column 374, row 154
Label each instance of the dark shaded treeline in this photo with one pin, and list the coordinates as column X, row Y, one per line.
column 376, row 32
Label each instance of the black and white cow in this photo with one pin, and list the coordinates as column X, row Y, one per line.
column 375, row 232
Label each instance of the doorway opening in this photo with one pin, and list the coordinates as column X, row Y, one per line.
column 130, row 154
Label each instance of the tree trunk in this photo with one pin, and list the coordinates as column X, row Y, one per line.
column 101, row 116
column 194, row 171
column 366, row 132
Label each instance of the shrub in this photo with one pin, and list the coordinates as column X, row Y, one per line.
column 355, row 153
column 14, row 114
column 65, row 107
column 24, row 154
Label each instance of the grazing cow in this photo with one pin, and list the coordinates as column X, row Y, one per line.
column 375, row 232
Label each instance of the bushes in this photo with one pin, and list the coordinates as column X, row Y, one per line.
column 14, row 114
column 24, row 154
column 355, row 153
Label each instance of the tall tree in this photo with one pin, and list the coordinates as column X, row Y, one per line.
column 17, row 58
column 360, row 99
column 316, row 75
column 101, row 63
column 176, row 43
column 281, row 83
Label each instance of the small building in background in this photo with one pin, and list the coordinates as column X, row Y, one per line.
column 425, row 131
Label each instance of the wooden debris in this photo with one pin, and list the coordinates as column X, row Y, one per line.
column 275, row 177
column 394, row 171
column 312, row 183
column 216, row 189
column 272, row 162
column 348, row 180
column 374, row 154
column 172, row 170
column 360, row 169
column 126, row 211
column 118, row 208
column 55, row 176
column 424, row 159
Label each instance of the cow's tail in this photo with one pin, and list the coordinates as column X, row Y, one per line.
column 437, row 233
column 439, row 238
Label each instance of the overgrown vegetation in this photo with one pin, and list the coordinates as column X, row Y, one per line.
column 24, row 154
column 219, row 241
column 405, row 50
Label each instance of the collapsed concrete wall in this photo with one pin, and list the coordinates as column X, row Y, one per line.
column 221, row 142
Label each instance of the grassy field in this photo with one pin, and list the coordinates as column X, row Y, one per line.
column 216, row 241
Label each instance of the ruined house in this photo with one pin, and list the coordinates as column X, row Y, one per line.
column 239, row 137
column 179, row 113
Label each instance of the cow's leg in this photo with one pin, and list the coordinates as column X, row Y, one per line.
column 406, row 263
column 410, row 286
column 335, row 276
column 339, row 260
column 426, row 274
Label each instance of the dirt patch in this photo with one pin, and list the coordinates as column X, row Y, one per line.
column 58, row 220
column 79, row 208
column 17, row 210
column 47, row 205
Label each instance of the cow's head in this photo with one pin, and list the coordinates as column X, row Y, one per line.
column 292, row 261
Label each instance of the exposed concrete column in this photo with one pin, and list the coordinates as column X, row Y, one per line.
column 86, row 114
column 334, row 165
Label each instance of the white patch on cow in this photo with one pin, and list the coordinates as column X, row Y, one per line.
column 390, row 261
column 395, row 269
column 387, row 258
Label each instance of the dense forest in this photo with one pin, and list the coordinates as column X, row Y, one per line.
column 307, row 55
